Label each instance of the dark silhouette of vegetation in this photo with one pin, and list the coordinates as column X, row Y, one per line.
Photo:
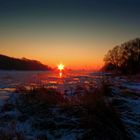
column 124, row 58
column 92, row 111
column 9, row 63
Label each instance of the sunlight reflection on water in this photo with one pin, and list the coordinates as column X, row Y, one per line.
column 60, row 74
column 54, row 79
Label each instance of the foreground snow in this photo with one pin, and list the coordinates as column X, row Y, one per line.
column 125, row 95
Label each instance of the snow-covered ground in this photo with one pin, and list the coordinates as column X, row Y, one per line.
column 126, row 97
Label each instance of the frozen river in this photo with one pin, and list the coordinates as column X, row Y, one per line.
column 78, row 81
column 10, row 80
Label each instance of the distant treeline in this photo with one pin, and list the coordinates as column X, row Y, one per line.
column 10, row 63
column 124, row 58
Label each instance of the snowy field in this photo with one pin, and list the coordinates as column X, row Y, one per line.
column 125, row 95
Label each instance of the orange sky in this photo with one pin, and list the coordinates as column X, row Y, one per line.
column 75, row 53
column 74, row 32
column 77, row 46
column 77, row 50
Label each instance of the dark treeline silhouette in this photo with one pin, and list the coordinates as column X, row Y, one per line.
column 124, row 58
column 10, row 63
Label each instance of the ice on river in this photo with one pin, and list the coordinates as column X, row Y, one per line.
column 9, row 80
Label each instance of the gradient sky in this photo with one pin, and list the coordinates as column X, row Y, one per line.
column 77, row 33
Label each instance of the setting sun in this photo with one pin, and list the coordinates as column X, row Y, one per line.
column 60, row 67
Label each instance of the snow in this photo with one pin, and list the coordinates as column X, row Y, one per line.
column 130, row 103
column 133, row 86
column 10, row 80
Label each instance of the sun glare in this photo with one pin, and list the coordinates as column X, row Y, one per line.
column 60, row 67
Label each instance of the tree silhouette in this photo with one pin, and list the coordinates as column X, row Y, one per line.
column 124, row 58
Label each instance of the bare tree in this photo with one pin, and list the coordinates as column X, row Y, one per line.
column 125, row 57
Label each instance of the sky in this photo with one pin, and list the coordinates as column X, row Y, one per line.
column 77, row 33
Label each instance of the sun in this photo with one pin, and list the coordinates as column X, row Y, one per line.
column 61, row 67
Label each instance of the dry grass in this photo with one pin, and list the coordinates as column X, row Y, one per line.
column 95, row 115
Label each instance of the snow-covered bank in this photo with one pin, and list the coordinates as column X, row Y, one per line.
column 125, row 96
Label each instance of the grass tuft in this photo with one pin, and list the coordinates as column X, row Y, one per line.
column 92, row 110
